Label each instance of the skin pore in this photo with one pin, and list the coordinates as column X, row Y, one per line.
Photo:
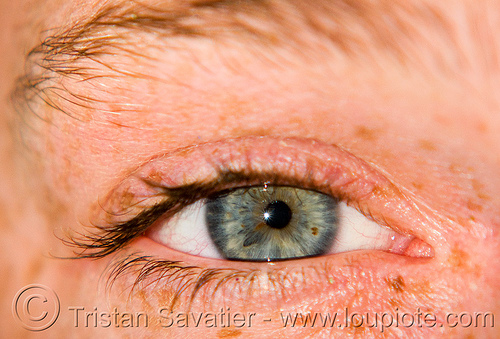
column 397, row 99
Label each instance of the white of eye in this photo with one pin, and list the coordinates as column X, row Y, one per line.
column 357, row 232
column 187, row 232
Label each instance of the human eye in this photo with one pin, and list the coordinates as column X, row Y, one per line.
column 267, row 223
column 152, row 215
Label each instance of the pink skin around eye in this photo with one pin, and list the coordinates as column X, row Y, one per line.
column 344, row 169
column 346, row 176
column 331, row 276
column 412, row 143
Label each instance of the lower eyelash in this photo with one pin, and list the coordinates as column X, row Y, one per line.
column 183, row 280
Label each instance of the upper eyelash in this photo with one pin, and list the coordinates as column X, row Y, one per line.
column 104, row 240
column 107, row 239
column 185, row 280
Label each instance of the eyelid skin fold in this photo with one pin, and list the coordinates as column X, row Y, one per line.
column 364, row 280
column 167, row 183
column 251, row 161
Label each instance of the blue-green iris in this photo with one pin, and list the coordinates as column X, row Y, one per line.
column 272, row 223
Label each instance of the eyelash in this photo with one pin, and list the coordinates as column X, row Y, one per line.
column 106, row 240
column 167, row 183
column 153, row 271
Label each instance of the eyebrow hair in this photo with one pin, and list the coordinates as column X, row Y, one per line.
column 352, row 26
column 358, row 29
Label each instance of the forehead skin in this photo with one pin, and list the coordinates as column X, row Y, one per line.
column 454, row 77
column 384, row 81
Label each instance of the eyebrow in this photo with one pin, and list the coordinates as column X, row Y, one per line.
column 352, row 26
column 363, row 31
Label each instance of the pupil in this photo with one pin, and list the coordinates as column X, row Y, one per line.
column 277, row 214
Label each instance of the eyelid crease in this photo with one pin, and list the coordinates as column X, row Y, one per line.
column 418, row 203
column 181, row 177
column 104, row 240
column 326, row 168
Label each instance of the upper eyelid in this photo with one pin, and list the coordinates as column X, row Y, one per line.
column 348, row 177
column 109, row 238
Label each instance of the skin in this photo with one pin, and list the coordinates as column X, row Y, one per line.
column 422, row 136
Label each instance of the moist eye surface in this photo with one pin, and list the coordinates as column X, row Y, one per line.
column 272, row 223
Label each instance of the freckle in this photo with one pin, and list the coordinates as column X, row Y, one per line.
column 145, row 301
column 427, row 145
column 483, row 196
column 360, row 329
column 458, row 258
column 397, row 283
column 50, row 147
column 126, row 200
column 222, row 119
column 442, row 119
column 421, row 288
column 314, row 230
column 238, row 131
column 465, row 221
column 473, row 206
column 296, row 121
column 417, row 185
column 228, row 333
column 482, row 127
column 478, row 187
column 454, row 168
column 64, row 179
column 477, row 271
column 366, row 133
column 35, row 268
column 183, row 152
column 299, row 322
column 382, row 192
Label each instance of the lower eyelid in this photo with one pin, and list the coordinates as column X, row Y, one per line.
column 338, row 280
column 210, row 282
